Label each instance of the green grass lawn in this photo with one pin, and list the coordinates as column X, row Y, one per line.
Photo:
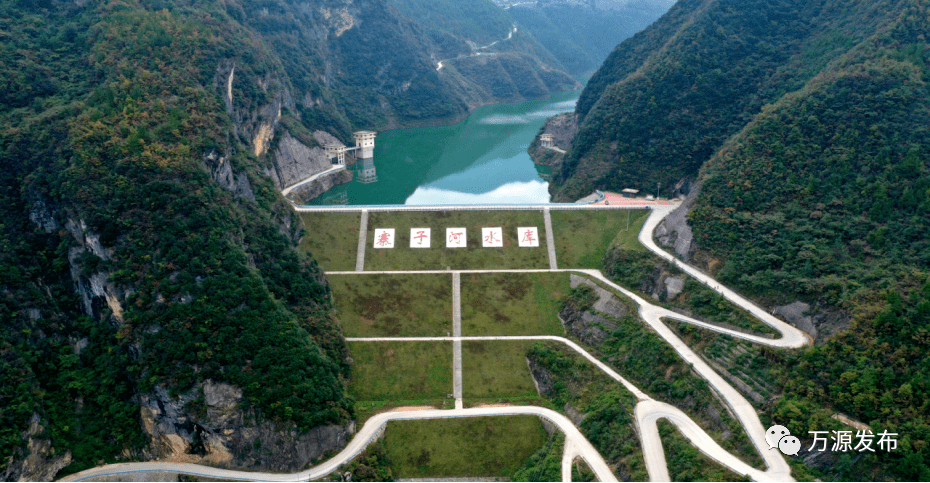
column 473, row 256
column 512, row 303
column 583, row 237
column 393, row 305
column 400, row 371
column 480, row 446
column 496, row 369
column 332, row 239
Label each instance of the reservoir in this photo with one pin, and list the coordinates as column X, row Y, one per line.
column 481, row 160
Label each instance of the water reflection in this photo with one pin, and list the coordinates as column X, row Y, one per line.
column 365, row 172
column 529, row 192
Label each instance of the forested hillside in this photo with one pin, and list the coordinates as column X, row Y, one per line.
column 481, row 47
column 582, row 35
column 802, row 131
column 152, row 300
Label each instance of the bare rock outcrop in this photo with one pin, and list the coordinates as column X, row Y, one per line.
column 41, row 463
column 208, row 425
column 818, row 321
column 95, row 288
column 563, row 129
column 674, row 231
column 294, row 161
column 221, row 171
column 320, row 185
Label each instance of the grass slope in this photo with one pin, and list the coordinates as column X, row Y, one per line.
column 481, row 446
column 393, row 305
column 332, row 239
column 512, row 303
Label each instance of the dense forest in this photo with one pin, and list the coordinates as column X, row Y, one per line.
column 801, row 131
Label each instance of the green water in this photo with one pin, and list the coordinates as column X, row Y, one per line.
column 481, row 160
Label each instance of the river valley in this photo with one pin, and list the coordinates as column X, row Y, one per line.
column 481, row 160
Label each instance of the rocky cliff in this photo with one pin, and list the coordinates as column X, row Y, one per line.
column 208, row 425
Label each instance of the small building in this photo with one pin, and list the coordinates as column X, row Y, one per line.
column 546, row 140
column 336, row 153
column 365, row 143
column 630, row 193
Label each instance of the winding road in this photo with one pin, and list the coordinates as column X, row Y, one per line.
column 647, row 410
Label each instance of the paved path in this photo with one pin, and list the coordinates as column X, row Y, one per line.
column 362, row 242
column 791, row 337
column 457, row 339
column 630, row 204
column 556, row 149
column 368, row 433
column 313, row 178
column 550, row 240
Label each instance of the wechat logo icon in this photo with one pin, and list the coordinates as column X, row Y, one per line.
column 779, row 437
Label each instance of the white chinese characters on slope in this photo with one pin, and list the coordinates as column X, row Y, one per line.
column 455, row 238
column 528, row 236
column 384, row 238
column 491, row 237
column 419, row 238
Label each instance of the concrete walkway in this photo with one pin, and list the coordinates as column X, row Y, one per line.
column 550, row 240
column 630, row 204
column 334, row 169
column 456, row 339
column 362, row 242
column 791, row 337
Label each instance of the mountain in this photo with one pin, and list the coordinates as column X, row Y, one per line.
column 150, row 282
column 479, row 45
column 799, row 131
column 581, row 34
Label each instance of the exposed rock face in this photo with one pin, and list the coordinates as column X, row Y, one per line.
column 41, row 463
column 42, row 216
column 222, row 173
column 294, row 161
column 563, row 129
column 817, row 321
column 319, row 186
column 591, row 327
column 543, row 381
column 95, row 289
column 208, row 425
column 674, row 286
column 796, row 315
column 674, row 230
